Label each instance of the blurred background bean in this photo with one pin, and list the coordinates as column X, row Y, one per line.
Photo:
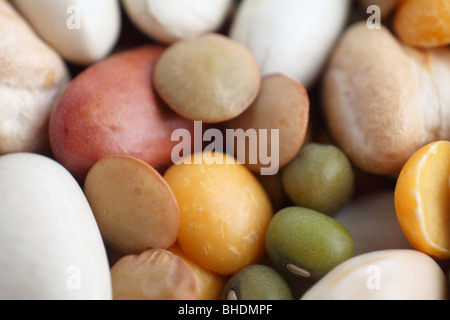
column 154, row 274
column 257, row 282
column 172, row 20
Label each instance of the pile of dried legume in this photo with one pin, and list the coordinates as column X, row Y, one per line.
column 226, row 149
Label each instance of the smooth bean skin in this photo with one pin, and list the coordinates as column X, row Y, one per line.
column 209, row 78
column 320, row 177
column 400, row 274
column 224, row 212
column 257, row 282
column 306, row 243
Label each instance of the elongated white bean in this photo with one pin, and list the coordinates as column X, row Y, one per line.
column 82, row 31
column 293, row 37
column 50, row 243
column 383, row 275
column 31, row 77
column 171, row 20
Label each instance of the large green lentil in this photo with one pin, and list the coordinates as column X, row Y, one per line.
column 306, row 243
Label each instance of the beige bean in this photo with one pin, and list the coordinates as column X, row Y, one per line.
column 32, row 75
column 383, row 275
column 154, row 274
column 382, row 100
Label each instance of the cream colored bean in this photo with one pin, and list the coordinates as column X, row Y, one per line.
column 32, row 75
column 383, row 275
column 293, row 37
column 50, row 243
column 83, row 32
column 171, row 20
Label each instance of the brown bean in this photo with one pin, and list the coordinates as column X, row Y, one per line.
column 134, row 207
column 283, row 105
